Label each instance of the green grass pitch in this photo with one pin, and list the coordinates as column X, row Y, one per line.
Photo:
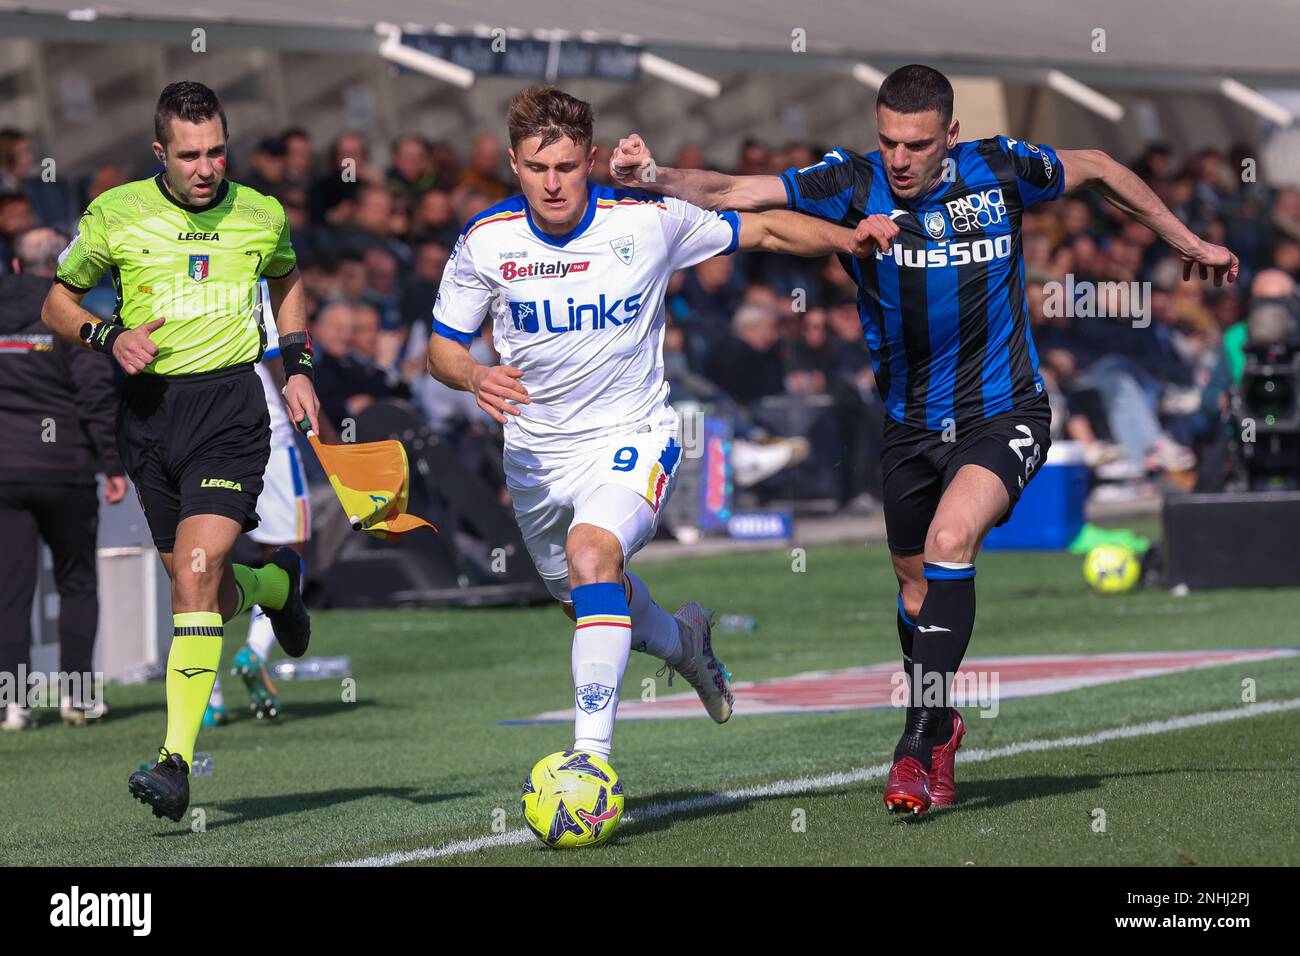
column 420, row 759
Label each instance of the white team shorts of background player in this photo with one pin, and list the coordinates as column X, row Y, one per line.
column 283, row 507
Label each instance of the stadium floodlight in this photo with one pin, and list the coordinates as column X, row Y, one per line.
column 868, row 75
column 680, row 75
column 1085, row 96
column 395, row 51
column 1256, row 102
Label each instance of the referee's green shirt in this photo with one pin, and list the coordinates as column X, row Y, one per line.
column 195, row 266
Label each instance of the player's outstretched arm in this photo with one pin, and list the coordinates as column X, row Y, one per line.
column 631, row 165
column 494, row 387
column 1123, row 189
column 799, row 235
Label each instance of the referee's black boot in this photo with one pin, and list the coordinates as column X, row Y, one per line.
column 165, row 786
column 291, row 623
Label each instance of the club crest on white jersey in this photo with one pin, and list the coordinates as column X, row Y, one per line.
column 624, row 247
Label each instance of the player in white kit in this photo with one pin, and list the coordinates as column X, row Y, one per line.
column 573, row 276
column 284, row 516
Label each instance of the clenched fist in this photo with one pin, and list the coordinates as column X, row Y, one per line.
column 631, row 164
column 877, row 230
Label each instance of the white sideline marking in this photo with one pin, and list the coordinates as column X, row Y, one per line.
column 831, row 780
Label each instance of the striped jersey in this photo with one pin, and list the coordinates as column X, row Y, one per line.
column 944, row 311
column 581, row 315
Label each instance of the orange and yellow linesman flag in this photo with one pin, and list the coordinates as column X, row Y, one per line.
column 370, row 480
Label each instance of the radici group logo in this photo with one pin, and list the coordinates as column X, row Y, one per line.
column 976, row 210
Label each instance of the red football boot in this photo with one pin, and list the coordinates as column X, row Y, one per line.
column 908, row 789
column 943, row 785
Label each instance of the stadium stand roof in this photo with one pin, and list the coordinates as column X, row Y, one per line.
column 1189, row 72
column 1183, row 41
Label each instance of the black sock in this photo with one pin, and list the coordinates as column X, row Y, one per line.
column 942, row 634
column 906, row 630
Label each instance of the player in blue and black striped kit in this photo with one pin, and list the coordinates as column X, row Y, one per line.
column 942, row 304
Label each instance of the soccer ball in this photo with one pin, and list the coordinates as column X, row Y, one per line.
column 572, row 799
column 1111, row 569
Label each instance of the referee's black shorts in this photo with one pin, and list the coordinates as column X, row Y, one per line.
column 195, row 445
column 918, row 464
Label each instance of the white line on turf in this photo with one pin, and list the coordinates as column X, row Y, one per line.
column 829, row 781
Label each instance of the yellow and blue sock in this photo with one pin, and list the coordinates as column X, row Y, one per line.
column 602, row 642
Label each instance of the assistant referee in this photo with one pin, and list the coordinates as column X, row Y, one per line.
column 185, row 250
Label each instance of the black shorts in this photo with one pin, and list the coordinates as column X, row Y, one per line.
column 918, row 465
column 195, row 445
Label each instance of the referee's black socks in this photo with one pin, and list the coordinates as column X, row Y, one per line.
column 939, row 641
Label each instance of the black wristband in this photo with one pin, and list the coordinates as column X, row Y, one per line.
column 296, row 352
column 101, row 335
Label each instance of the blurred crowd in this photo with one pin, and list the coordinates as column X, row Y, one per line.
column 774, row 342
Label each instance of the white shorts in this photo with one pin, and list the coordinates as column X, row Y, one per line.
column 283, row 510
column 552, row 494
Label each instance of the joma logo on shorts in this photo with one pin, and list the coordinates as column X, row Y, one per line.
column 221, row 483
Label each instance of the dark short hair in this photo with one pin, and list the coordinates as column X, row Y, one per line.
column 9, row 140
column 272, row 146
column 550, row 113
column 916, row 89
column 189, row 101
column 411, row 138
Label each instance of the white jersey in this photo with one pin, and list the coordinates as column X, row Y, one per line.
column 281, row 427
column 581, row 315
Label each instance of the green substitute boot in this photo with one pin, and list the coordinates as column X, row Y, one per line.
column 215, row 716
column 263, row 699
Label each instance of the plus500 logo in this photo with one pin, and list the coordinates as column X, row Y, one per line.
column 574, row 317
column 953, row 254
